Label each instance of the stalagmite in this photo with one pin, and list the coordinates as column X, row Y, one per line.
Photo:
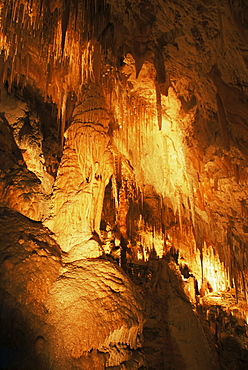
column 78, row 194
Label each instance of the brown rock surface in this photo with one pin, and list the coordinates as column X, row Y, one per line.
column 85, row 314
column 123, row 130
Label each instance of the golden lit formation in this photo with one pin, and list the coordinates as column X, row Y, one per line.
column 123, row 184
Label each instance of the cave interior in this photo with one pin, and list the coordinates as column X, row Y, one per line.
column 123, row 177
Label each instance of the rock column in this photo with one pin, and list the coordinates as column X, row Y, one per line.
column 84, row 172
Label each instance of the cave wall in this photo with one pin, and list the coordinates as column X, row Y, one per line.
column 162, row 89
column 124, row 134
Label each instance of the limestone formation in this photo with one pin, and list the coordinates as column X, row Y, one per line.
column 123, row 151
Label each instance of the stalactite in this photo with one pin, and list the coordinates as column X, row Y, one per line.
column 148, row 119
column 65, row 22
column 63, row 118
column 159, row 107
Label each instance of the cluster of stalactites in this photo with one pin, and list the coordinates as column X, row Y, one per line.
column 50, row 44
column 155, row 229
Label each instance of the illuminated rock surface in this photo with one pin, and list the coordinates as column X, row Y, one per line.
column 85, row 315
column 123, row 141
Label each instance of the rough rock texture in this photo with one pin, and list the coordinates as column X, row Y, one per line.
column 173, row 336
column 85, row 315
column 174, row 93
column 123, row 129
column 25, row 184
column 84, row 172
column 93, row 306
column 30, row 264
